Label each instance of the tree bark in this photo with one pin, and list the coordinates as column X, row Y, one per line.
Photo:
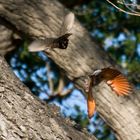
column 37, row 18
column 25, row 117
column 6, row 44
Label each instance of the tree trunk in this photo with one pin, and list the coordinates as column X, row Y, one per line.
column 25, row 117
column 6, row 44
column 37, row 18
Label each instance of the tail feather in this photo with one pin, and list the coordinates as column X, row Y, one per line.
column 90, row 105
column 90, row 99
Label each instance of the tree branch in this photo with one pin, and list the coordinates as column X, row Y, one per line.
column 134, row 13
column 37, row 18
column 24, row 116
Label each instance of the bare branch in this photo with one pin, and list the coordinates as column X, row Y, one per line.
column 134, row 13
column 50, row 81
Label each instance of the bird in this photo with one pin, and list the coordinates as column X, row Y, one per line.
column 113, row 77
column 60, row 42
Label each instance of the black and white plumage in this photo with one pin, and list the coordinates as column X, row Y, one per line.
column 59, row 42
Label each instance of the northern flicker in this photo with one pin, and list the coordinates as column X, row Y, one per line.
column 114, row 78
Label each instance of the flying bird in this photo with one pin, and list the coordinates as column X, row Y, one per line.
column 58, row 42
column 114, row 78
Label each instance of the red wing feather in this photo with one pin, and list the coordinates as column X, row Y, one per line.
column 117, row 81
column 120, row 85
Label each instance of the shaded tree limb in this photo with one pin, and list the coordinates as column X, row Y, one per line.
column 23, row 116
column 6, row 39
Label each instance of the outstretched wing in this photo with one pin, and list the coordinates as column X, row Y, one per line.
column 63, row 41
column 67, row 24
column 60, row 42
column 117, row 81
column 40, row 44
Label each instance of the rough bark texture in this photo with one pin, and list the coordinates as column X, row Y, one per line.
column 6, row 43
column 24, row 117
column 37, row 18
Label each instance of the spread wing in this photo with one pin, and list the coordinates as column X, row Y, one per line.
column 60, row 42
column 67, row 24
column 40, row 44
column 117, row 81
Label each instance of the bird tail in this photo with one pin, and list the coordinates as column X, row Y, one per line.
column 90, row 99
column 90, row 105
